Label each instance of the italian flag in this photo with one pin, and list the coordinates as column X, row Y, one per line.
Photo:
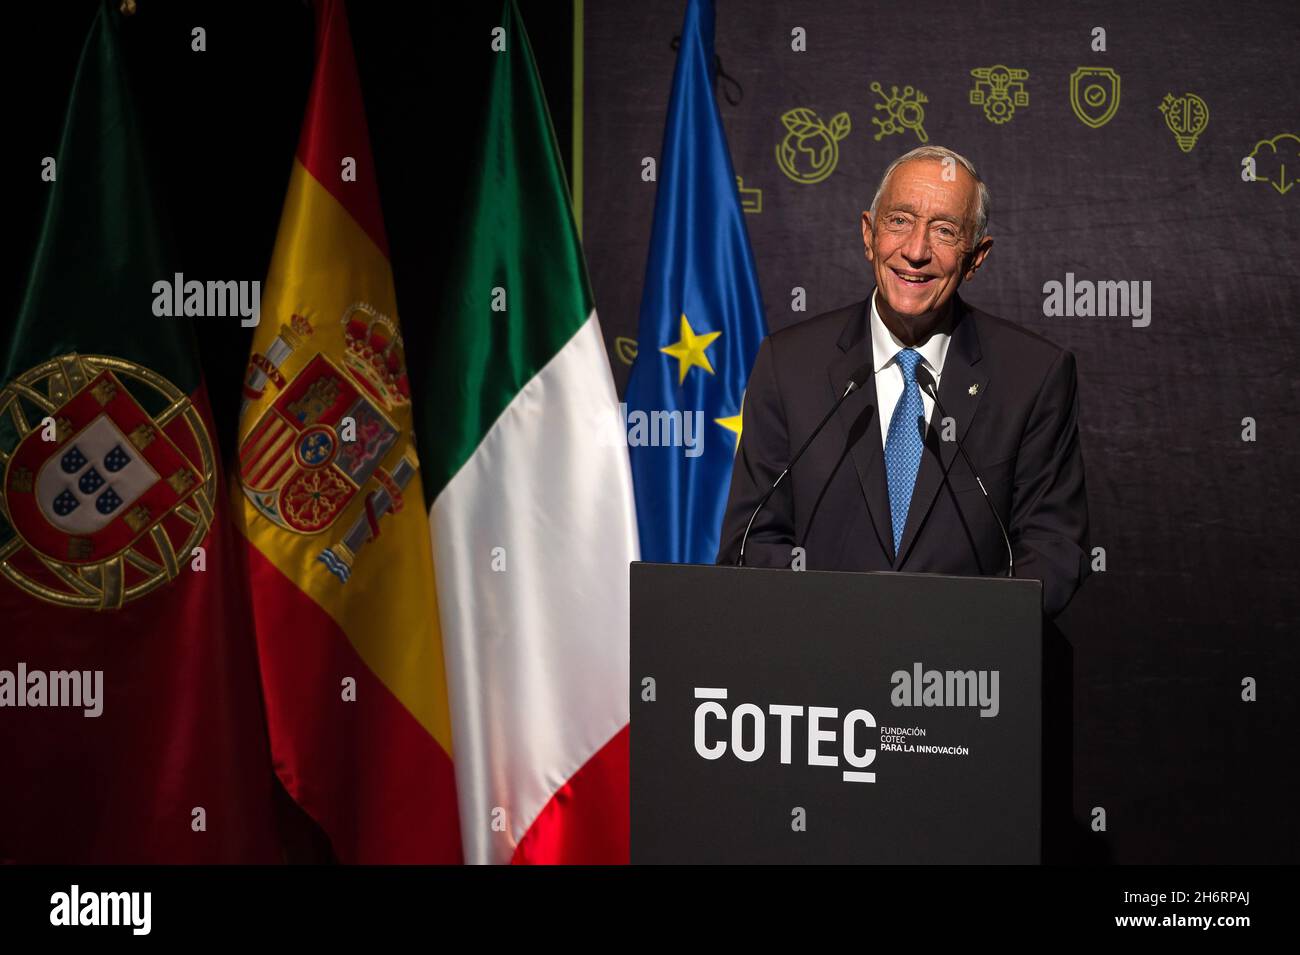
column 531, row 509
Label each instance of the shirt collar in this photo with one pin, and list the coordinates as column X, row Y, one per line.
column 885, row 345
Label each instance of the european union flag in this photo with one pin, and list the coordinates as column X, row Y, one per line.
column 701, row 322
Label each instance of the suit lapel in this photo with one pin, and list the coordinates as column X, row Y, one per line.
column 857, row 422
column 962, row 385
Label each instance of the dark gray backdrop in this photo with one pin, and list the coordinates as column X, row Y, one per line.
column 1199, row 527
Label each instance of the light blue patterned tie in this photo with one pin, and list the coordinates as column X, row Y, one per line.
column 903, row 445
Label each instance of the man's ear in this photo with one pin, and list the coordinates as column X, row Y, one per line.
column 867, row 238
column 976, row 258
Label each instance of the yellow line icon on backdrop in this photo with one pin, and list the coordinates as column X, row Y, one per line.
column 1094, row 94
column 905, row 110
column 999, row 89
column 1186, row 116
column 811, row 149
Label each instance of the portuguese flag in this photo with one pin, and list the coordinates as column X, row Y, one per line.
column 530, row 504
column 131, row 727
column 331, row 501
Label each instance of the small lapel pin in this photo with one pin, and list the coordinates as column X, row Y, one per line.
column 973, row 389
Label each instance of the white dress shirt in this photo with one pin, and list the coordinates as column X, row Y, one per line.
column 885, row 347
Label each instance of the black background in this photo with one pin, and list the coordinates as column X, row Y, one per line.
column 221, row 128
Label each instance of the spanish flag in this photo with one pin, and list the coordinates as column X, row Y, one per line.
column 332, row 504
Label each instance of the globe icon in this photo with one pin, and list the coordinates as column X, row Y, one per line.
column 809, row 151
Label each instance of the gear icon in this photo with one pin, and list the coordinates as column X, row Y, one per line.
column 1000, row 90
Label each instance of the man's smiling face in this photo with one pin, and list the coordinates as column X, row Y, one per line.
column 921, row 244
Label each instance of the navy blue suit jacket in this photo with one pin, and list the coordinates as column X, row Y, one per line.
column 1013, row 396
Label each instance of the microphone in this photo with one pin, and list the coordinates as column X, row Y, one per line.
column 926, row 381
column 858, row 378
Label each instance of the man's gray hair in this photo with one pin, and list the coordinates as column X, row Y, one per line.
column 940, row 153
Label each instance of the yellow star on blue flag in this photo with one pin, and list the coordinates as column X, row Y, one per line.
column 733, row 424
column 689, row 350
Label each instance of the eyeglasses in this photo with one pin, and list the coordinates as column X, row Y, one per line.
column 942, row 231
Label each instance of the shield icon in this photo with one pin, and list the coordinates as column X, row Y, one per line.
column 1094, row 94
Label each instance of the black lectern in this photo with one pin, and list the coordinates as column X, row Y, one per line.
column 781, row 716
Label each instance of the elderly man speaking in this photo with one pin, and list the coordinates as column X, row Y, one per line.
column 892, row 483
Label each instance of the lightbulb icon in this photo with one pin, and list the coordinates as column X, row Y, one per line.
column 1186, row 116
